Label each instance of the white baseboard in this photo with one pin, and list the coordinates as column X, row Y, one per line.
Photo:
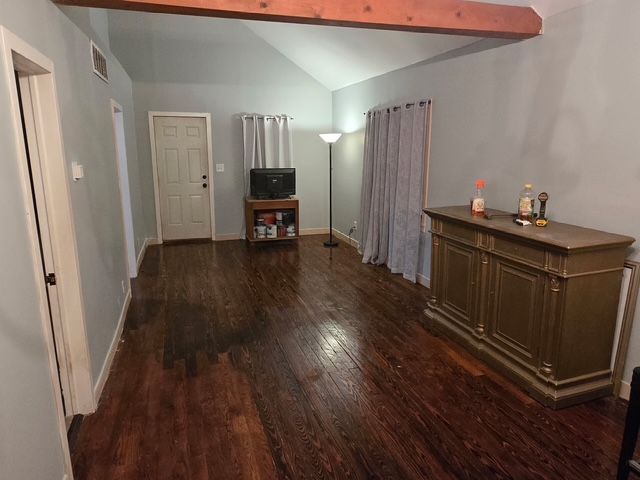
column 143, row 250
column 153, row 241
column 314, row 231
column 422, row 280
column 304, row 231
column 228, row 236
column 625, row 390
column 345, row 238
column 106, row 366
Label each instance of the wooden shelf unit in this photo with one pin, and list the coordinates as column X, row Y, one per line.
column 254, row 205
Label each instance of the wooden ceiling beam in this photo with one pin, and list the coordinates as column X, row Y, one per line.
column 453, row 17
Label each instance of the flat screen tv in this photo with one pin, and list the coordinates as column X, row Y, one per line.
column 273, row 182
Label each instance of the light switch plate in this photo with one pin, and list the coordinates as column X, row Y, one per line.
column 77, row 171
column 219, row 167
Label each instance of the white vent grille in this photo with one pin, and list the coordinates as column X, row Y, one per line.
column 99, row 62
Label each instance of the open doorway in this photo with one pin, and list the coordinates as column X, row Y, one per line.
column 125, row 195
column 46, row 201
column 43, row 237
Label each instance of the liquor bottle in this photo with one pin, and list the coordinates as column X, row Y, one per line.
column 525, row 203
column 477, row 200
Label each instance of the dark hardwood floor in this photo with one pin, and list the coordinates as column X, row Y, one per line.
column 294, row 362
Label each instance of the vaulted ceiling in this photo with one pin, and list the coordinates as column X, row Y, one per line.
column 341, row 56
column 338, row 57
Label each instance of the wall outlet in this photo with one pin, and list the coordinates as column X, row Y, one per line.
column 355, row 225
column 219, row 167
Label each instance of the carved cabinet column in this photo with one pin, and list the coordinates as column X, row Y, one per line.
column 549, row 334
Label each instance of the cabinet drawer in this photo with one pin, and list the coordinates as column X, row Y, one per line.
column 519, row 251
column 459, row 232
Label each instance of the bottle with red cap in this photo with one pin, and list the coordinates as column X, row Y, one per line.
column 477, row 200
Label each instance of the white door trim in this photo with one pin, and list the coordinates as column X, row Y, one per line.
column 125, row 194
column 18, row 55
column 154, row 162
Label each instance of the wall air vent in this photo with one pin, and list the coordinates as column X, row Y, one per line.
column 99, row 62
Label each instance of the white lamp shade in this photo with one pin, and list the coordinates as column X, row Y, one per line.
column 330, row 137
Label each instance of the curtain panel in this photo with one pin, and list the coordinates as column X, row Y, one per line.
column 393, row 186
column 267, row 143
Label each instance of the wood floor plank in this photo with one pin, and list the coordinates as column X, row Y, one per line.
column 292, row 361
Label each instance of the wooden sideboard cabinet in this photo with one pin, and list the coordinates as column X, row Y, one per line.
column 539, row 304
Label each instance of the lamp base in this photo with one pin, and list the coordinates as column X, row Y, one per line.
column 331, row 244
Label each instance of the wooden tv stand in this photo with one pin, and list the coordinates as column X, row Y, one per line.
column 254, row 205
column 539, row 304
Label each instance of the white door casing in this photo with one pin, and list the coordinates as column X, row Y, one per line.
column 184, row 184
column 117, row 114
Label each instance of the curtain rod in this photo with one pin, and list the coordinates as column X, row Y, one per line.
column 261, row 117
column 407, row 105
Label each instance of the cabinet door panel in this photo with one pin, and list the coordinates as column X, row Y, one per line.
column 458, row 282
column 516, row 309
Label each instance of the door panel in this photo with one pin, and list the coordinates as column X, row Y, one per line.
column 516, row 309
column 458, row 282
column 183, row 177
column 196, row 169
column 197, row 209
column 31, row 144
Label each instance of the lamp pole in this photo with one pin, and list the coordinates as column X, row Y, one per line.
column 331, row 242
column 330, row 138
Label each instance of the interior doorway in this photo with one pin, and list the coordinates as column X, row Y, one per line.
column 125, row 194
column 46, row 259
column 46, row 201
column 182, row 167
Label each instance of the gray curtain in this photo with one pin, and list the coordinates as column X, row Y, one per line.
column 392, row 187
column 267, row 143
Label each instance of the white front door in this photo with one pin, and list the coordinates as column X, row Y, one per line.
column 183, row 177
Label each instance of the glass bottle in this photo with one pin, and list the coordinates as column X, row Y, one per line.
column 525, row 203
column 477, row 200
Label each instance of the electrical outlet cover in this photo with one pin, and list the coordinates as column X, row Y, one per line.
column 219, row 167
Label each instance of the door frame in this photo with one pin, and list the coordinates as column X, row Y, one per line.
column 122, row 164
column 18, row 55
column 154, row 163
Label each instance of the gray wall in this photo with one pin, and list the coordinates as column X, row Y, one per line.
column 559, row 111
column 29, row 440
column 189, row 64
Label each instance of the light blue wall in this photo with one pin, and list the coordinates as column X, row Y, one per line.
column 29, row 439
column 191, row 64
column 559, row 111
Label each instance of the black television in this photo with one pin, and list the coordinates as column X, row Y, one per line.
column 273, row 182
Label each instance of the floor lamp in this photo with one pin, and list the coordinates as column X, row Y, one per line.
column 330, row 138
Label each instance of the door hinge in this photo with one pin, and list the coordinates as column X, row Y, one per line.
column 50, row 278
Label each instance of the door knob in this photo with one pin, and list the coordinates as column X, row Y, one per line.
column 204, row 177
column 204, row 185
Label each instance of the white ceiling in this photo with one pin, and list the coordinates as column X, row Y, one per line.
column 545, row 8
column 338, row 57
